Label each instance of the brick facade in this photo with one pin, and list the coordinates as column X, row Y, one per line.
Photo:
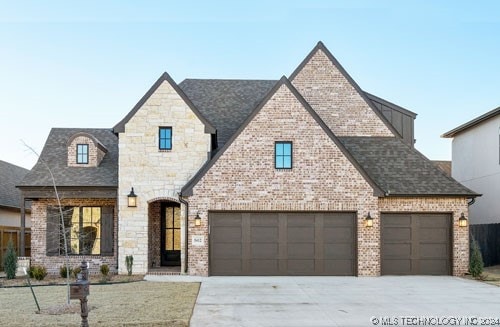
column 335, row 100
column 95, row 154
column 155, row 174
column 244, row 177
column 39, row 230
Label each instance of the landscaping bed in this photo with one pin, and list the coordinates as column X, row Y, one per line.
column 56, row 280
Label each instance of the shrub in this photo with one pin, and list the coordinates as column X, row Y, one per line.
column 104, row 270
column 38, row 272
column 10, row 261
column 63, row 271
column 129, row 260
column 476, row 264
column 76, row 271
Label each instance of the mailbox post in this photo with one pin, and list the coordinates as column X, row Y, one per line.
column 79, row 290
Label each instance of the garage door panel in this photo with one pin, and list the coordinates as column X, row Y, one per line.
column 264, row 267
column 419, row 245
column 264, row 234
column 339, row 251
column 227, row 250
column 284, row 243
column 301, row 234
column 337, row 234
column 338, row 267
column 226, row 234
column 301, row 267
column 264, row 250
column 300, row 250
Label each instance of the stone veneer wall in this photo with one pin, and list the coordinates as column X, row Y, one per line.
column 95, row 154
column 39, row 230
column 322, row 179
column 455, row 206
column 155, row 174
column 336, row 101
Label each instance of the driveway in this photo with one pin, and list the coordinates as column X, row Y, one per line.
column 345, row 301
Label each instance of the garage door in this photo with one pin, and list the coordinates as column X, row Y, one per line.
column 416, row 244
column 256, row 243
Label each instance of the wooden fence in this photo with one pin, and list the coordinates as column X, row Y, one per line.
column 488, row 238
column 14, row 233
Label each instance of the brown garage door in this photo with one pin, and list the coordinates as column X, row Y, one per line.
column 258, row 243
column 416, row 244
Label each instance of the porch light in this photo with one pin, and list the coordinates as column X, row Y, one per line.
column 368, row 220
column 197, row 220
column 132, row 198
column 462, row 221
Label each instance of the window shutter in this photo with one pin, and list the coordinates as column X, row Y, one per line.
column 107, row 231
column 53, row 230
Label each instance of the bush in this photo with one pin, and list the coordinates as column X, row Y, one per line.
column 76, row 271
column 10, row 261
column 129, row 261
column 38, row 272
column 104, row 270
column 476, row 264
column 63, row 271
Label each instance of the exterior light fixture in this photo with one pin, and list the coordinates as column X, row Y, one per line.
column 368, row 220
column 197, row 220
column 462, row 221
column 132, row 199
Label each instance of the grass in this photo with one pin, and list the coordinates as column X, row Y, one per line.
column 127, row 304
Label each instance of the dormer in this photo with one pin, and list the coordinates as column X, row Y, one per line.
column 84, row 150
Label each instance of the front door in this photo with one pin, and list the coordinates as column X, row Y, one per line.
column 170, row 234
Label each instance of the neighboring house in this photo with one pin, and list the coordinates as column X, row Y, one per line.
column 10, row 209
column 254, row 177
column 476, row 163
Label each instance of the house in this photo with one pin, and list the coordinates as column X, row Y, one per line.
column 305, row 175
column 476, row 164
column 10, row 210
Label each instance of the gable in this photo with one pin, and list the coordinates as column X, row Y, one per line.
column 321, row 166
column 337, row 99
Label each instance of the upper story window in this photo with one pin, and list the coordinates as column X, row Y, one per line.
column 283, row 155
column 82, row 153
column 165, row 138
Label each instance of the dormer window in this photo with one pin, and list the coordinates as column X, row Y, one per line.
column 82, row 153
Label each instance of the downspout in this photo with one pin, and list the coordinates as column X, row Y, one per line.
column 186, row 231
column 471, row 202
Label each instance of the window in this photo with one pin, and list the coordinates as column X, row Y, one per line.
column 283, row 155
column 165, row 138
column 82, row 153
column 87, row 230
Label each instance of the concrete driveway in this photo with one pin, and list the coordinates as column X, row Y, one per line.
column 345, row 301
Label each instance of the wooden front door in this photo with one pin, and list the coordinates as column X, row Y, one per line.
column 171, row 234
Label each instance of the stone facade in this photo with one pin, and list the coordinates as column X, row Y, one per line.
column 455, row 206
column 336, row 101
column 39, row 231
column 244, row 178
column 155, row 174
column 95, row 153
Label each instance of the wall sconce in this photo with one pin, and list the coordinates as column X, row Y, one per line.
column 197, row 220
column 462, row 221
column 132, row 199
column 368, row 220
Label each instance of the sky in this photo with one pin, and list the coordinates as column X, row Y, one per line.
column 87, row 63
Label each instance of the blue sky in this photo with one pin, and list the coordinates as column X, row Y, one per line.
column 86, row 63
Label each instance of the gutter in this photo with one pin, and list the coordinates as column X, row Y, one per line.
column 186, row 231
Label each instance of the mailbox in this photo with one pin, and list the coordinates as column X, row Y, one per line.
column 79, row 290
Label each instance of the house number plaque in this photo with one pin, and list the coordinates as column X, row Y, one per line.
column 197, row 240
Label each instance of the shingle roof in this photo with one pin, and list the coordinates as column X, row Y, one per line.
column 55, row 155
column 401, row 170
column 472, row 123
column 226, row 103
column 10, row 176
